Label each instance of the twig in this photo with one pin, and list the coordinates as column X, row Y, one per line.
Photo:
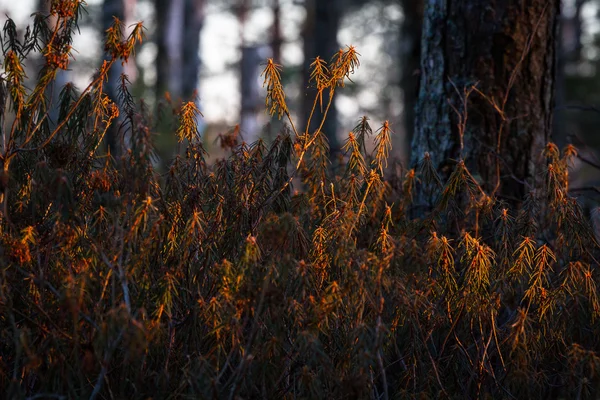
column 588, row 161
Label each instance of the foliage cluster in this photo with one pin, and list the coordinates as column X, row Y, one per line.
column 220, row 281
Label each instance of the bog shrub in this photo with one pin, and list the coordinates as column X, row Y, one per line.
column 271, row 273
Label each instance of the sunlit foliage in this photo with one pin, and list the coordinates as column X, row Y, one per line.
column 271, row 273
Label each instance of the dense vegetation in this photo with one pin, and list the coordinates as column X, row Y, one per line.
column 271, row 273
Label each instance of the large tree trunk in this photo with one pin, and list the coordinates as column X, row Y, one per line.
column 320, row 39
column 507, row 49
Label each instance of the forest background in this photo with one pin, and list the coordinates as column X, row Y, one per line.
column 214, row 50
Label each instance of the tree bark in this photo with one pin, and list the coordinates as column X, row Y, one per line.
column 506, row 48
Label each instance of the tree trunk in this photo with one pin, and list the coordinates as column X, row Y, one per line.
column 507, row 49
column 62, row 76
column 320, row 39
column 194, row 19
column 252, row 102
column 178, row 27
column 569, row 53
column 169, row 38
column 123, row 10
column 276, row 33
column 277, row 40
column 161, row 8
column 250, row 62
column 410, row 53
column 110, row 9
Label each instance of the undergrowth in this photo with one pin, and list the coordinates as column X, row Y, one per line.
column 270, row 273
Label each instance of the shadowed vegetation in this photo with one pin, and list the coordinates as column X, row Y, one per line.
column 271, row 273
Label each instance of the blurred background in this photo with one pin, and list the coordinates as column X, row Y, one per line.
column 212, row 52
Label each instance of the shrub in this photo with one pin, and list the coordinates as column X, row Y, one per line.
column 219, row 281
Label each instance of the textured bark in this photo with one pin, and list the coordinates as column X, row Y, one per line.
column 320, row 39
column 488, row 43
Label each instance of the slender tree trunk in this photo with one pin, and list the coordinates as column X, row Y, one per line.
column 123, row 10
column 194, row 19
column 250, row 99
column 174, row 45
column 170, row 21
column 506, row 49
column 161, row 8
column 569, row 52
column 277, row 39
column 320, row 39
column 410, row 53
column 179, row 24
column 111, row 9
column 62, row 76
column 276, row 34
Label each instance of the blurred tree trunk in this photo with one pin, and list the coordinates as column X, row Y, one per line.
column 62, row 76
column 569, row 53
column 179, row 23
column 123, row 10
column 194, row 19
column 250, row 101
column 170, row 21
column 276, row 34
column 178, row 27
column 507, row 49
column 275, row 125
column 410, row 59
column 320, row 39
